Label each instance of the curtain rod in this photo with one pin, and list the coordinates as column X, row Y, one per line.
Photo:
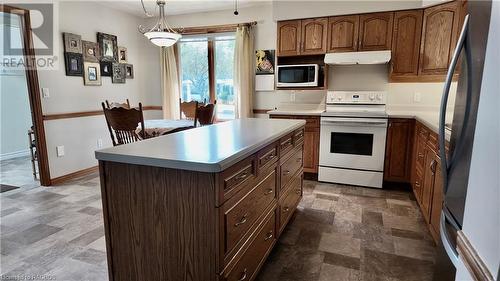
column 213, row 28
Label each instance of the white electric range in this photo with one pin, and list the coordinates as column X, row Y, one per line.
column 352, row 139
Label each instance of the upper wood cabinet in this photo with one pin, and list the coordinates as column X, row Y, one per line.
column 439, row 36
column 406, row 43
column 343, row 34
column 314, row 35
column 375, row 31
column 289, row 36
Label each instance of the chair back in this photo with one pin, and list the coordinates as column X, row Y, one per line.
column 205, row 115
column 188, row 109
column 117, row 104
column 123, row 122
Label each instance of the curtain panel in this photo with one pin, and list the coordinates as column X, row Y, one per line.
column 244, row 71
column 170, row 86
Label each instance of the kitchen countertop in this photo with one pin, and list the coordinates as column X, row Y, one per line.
column 429, row 118
column 312, row 112
column 205, row 149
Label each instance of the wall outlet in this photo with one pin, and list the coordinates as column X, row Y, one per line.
column 416, row 97
column 99, row 143
column 292, row 97
column 60, row 150
column 45, row 93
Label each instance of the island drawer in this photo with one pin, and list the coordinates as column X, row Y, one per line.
column 237, row 176
column 241, row 213
column 298, row 137
column 248, row 265
column 291, row 166
column 286, row 144
column 289, row 200
column 268, row 155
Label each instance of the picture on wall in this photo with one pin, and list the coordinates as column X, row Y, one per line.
column 72, row 43
column 264, row 62
column 107, row 46
column 74, row 64
column 106, row 68
column 119, row 73
column 90, row 51
column 92, row 73
column 129, row 71
column 122, row 55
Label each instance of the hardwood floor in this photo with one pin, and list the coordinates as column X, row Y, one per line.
column 337, row 233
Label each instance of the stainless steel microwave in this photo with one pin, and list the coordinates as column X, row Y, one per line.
column 298, row 75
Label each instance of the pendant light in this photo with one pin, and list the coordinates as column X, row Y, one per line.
column 161, row 34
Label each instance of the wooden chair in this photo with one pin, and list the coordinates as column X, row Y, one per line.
column 205, row 115
column 188, row 109
column 122, row 124
column 117, row 104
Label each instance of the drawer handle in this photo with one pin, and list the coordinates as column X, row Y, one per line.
column 417, row 184
column 242, row 221
column 287, row 143
column 269, row 157
column 286, row 209
column 244, row 275
column 269, row 235
column 242, row 176
column 269, row 191
column 286, row 172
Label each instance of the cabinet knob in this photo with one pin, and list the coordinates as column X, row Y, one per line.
column 269, row 191
column 269, row 235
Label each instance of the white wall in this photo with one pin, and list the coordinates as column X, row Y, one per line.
column 68, row 94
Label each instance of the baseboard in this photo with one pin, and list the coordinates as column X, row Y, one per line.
column 15, row 154
column 472, row 260
column 74, row 175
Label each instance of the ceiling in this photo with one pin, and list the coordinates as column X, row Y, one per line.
column 177, row 7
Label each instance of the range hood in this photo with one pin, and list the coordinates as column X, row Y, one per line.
column 350, row 58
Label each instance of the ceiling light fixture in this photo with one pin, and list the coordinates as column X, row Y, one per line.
column 161, row 34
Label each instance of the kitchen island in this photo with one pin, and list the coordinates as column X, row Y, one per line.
column 202, row 204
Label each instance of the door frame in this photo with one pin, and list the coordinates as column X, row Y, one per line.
column 33, row 93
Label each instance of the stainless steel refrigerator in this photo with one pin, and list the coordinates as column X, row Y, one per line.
column 469, row 53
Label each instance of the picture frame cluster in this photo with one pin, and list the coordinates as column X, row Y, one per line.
column 93, row 60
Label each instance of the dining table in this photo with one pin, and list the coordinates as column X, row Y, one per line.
column 159, row 127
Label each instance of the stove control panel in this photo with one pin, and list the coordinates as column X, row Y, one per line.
column 355, row 97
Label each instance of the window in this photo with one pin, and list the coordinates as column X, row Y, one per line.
column 206, row 70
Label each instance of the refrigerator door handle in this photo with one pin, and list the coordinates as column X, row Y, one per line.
column 445, row 239
column 463, row 43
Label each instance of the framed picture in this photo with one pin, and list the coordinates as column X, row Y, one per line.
column 129, row 71
column 90, row 51
column 92, row 73
column 74, row 64
column 106, row 68
column 122, row 55
column 107, row 47
column 118, row 73
column 72, row 43
column 264, row 62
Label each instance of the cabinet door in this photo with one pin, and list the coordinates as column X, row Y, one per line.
column 375, row 31
column 406, row 43
column 289, row 35
column 437, row 202
column 398, row 150
column 439, row 37
column 314, row 34
column 428, row 186
column 343, row 34
column 311, row 156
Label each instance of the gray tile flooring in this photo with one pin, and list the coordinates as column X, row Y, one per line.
column 17, row 172
column 338, row 233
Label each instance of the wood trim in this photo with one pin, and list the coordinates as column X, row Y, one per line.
column 472, row 261
column 74, row 175
column 261, row 111
column 34, row 93
column 212, row 28
column 211, row 71
column 79, row 114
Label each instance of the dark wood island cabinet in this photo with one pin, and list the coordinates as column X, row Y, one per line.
column 177, row 209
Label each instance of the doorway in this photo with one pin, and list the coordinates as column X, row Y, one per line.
column 24, row 159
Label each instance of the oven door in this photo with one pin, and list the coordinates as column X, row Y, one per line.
column 354, row 143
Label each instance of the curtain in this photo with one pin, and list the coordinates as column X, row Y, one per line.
column 244, row 71
column 170, row 83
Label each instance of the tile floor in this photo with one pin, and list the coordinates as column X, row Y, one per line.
column 338, row 233
column 18, row 172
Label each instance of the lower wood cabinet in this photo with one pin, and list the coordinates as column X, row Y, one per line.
column 311, row 140
column 399, row 146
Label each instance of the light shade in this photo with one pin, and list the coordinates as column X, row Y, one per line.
column 163, row 38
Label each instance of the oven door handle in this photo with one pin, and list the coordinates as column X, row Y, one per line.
column 357, row 123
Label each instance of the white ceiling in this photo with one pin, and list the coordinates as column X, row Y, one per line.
column 177, row 7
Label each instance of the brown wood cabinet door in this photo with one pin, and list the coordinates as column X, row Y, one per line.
column 439, row 37
column 314, row 35
column 311, row 156
column 289, row 35
column 398, row 150
column 437, row 202
column 343, row 34
column 406, row 43
column 430, row 164
column 375, row 31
